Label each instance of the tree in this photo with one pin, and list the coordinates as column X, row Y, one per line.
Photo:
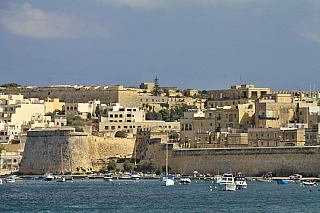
column 121, row 134
column 163, row 168
column 77, row 123
column 171, row 115
column 147, row 165
column 10, row 85
column 72, row 118
column 156, row 89
column 112, row 165
column 165, row 114
column 173, row 135
column 166, row 105
column 89, row 115
column 153, row 116
column 127, row 166
column 97, row 111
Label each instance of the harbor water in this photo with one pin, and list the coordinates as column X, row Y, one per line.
column 150, row 196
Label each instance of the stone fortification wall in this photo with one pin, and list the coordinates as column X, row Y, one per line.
column 43, row 148
column 282, row 161
column 78, row 150
column 108, row 147
column 113, row 94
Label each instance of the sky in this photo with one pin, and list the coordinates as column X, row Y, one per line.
column 189, row 44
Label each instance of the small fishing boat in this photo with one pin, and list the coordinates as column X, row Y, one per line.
column 107, row 177
column 240, row 180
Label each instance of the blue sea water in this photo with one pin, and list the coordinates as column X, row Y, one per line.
column 149, row 196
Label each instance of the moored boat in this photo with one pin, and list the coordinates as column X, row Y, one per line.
column 240, row 180
column 227, row 182
column 217, row 178
column 309, row 183
column 107, row 177
column 185, row 180
column 48, row 177
column 11, row 179
column 61, row 179
column 282, row 182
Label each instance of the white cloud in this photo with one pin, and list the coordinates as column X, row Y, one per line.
column 309, row 28
column 28, row 21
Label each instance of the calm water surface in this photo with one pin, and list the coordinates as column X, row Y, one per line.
column 149, row 196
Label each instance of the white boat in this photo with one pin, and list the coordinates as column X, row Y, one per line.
column 185, row 180
column 1, row 181
column 264, row 179
column 48, row 177
column 309, row 183
column 125, row 177
column 135, row 176
column 227, row 183
column 107, row 177
column 11, row 179
column 217, row 178
column 61, row 179
column 68, row 178
column 168, row 180
column 240, row 181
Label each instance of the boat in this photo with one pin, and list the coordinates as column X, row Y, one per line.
column 125, row 177
column 48, row 177
column 168, row 180
column 240, row 180
column 68, row 178
column 11, row 179
column 264, row 179
column 61, row 178
column 282, row 182
column 309, row 183
column 107, row 177
column 135, row 176
column 217, row 178
column 227, row 183
column 185, row 180
column 1, row 181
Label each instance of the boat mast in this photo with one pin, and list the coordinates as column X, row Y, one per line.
column 167, row 156
column 61, row 162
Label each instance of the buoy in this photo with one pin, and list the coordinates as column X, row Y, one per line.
column 26, row 181
column 134, row 181
column 126, row 183
column 119, row 184
column 161, row 184
column 210, row 190
column 112, row 183
column 212, row 182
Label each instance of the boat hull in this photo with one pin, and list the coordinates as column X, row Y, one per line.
column 227, row 186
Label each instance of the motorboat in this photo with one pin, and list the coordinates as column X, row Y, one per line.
column 135, row 176
column 48, row 177
column 264, row 179
column 309, row 183
column 11, row 179
column 227, row 182
column 217, row 178
column 1, row 181
column 125, row 177
column 282, row 182
column 240, row 180
column 68, row 178
column 107, row 177
column 61, row 179
column 185, row 180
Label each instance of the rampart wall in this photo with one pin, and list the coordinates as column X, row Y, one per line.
column 78, row 150
column 282, row 161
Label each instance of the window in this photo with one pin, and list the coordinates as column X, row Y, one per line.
column 128, row 115
column 229, row 139
column 237, row 139
column 113, row 127
column 116, row 115
column 128, row 120
column 147, row 100
column 152, row 100
column 120, row 120
column 261, row 143
column 201, row 124
column 226, row 115
column 120, row 115
column 125, row 127
column 235, row 115
column 106, row 127
column 111, row 116
column 119, row 127
column 210, row 124
column 210, row 114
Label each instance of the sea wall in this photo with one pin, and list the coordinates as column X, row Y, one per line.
column 282, row 161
